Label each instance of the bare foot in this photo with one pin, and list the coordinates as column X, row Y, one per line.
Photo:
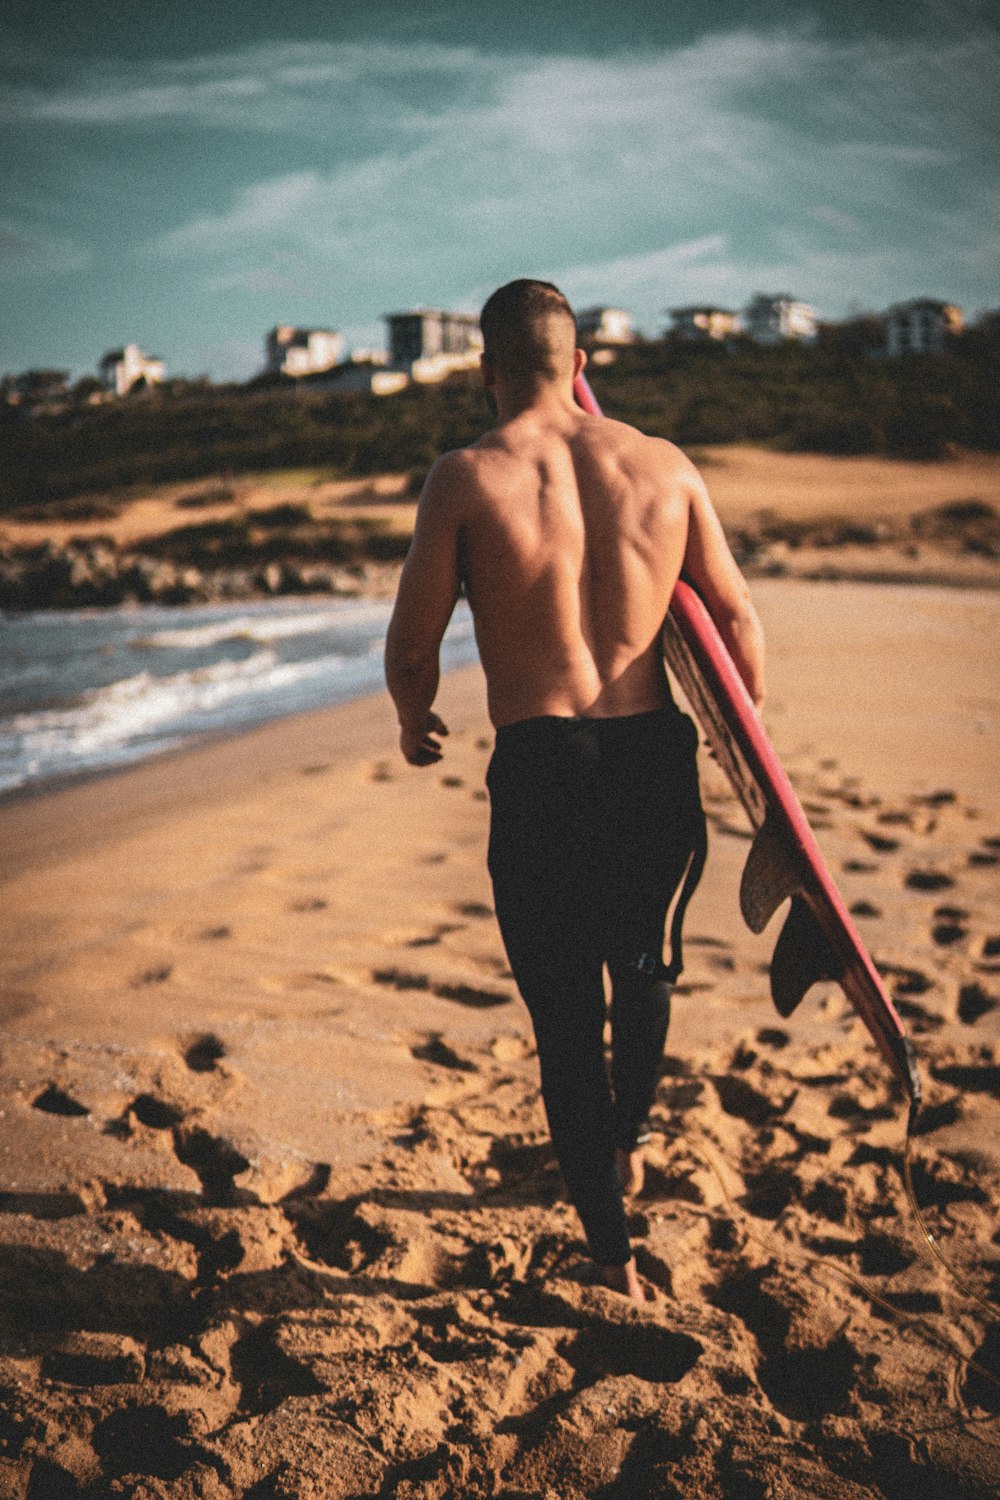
column 631, row 1170
column 622, row 1279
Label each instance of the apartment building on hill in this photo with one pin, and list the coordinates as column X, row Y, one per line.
column 301, row 351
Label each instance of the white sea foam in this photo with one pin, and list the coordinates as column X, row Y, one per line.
column 263, row 628
column 109, row 723
column 65, row 717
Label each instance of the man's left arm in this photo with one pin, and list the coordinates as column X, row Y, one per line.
column 428, row 589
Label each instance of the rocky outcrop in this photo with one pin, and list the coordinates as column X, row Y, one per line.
column 81, row 575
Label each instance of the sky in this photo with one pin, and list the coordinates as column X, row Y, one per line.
column 184, row 177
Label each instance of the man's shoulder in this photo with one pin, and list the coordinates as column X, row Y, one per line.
column 630, row 445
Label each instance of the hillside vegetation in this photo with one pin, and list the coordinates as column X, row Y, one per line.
column 831, row 398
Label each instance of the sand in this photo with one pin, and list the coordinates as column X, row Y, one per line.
column 278, row 1213
column 745, row 483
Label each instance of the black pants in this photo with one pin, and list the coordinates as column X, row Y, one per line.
column 594, row 823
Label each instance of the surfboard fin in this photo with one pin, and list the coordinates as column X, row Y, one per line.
column 770, row 875
column 802, row 957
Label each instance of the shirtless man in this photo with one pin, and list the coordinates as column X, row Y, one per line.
column 569, row 532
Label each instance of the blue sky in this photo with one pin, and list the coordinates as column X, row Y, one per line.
column 185, row 179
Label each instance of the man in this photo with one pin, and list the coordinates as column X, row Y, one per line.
column 569, row 532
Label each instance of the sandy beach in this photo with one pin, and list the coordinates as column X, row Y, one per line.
column 278, row 1213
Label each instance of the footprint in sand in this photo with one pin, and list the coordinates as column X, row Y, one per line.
column 463, row 994
column 773, row 1036
column 204, row 1052
column 741, row 1100
column 987, row 854
column 467, row 994
column 214, row 1161
column 879, row 841
column 215, row 934
column 942, row 798
column 157, row 975
column 431, row 939
column 935, row 1116
column 155, row 1113
column 904, row 980
column 949, row 925
column 400, row 979
column 860, row 867
column 927, row 880
column 452, row 781
column 895, row 817
column 310, row 903
column 973, row 1002
column 474, row 909
column 918, row 1015
column 865, row 909
column 436, row 1050
column 55, row 1101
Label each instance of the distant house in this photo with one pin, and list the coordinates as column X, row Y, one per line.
column 920, row 326
column 365, row 371
column 428, row 344
column 778, row 319
column 121, row 369
column 604, row 325
column 301, row 351
column 701, row 324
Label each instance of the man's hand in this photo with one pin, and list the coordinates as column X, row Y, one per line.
column 419, row 746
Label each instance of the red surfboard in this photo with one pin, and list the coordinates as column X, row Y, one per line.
column 818, row 940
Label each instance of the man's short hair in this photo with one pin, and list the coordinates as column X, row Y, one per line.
column 528, row 329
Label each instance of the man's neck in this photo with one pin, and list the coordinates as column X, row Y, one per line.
column 549, row 401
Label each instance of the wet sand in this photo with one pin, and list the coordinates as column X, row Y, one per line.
column 278, row 1213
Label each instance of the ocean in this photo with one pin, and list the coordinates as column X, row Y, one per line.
column 84, row 691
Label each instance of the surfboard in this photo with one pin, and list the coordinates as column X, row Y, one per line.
column 818, row 940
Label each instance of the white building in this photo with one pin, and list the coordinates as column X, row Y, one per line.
column 703, row 323
column 121, row 369
column 368, row 375
column 604, row 325
column 301, row 351
column 920, row 326
column 775, row 319
column 429, row 344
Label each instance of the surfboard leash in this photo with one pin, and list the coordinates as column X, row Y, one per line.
column 809, row 1261
column 992, row 1312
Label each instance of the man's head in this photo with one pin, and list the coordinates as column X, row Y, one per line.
column 529, row 333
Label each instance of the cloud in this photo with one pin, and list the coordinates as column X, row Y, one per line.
column 652, row 165
column 311, row 88
column 258, row 210
column 27, row 251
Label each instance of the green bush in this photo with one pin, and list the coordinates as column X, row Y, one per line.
column 837, row 396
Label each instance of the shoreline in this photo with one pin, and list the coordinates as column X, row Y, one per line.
column 927, row 589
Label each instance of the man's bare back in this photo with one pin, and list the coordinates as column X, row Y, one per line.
column 570, row 532
column 573, row 532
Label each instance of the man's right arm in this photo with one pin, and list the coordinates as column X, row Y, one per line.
column 713, row 570
column 428, row 589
